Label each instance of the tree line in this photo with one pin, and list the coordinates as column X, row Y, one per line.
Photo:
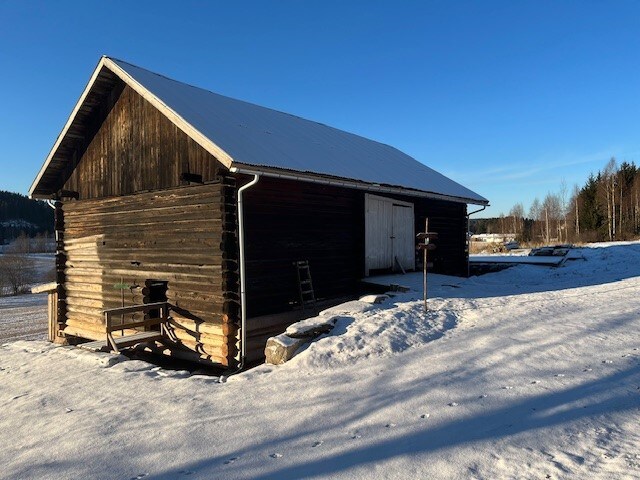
column 605, row 208
column 22, row 216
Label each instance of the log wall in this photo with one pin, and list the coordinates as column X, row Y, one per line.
column 183, row 236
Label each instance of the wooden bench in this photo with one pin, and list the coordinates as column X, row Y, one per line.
column 125, row 341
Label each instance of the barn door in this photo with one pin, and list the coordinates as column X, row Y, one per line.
column 402, row 238
column 389, row 232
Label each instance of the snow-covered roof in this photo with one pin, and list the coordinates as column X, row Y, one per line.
column 241, row 134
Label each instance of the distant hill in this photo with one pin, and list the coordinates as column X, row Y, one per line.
column 19, row 214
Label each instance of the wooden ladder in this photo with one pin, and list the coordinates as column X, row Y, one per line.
column 305, row 285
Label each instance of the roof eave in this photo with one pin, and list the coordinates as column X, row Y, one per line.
column 349, row 183
column 62, row 134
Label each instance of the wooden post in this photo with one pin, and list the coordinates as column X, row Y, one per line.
column 61, row 258
column 425, row 244
column 426, row 229
column 52, row 308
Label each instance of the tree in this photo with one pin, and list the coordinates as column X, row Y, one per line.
column 16, row 272
column 635, row 198
column 552, row 216
column 591, row 215
column 609, row 187
column 21, row 244
column 625, row 182
column 575, row 199
column 516, row 215
column 534, row 213
column 562, row 196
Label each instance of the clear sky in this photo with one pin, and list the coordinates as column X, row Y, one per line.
column 506, row 98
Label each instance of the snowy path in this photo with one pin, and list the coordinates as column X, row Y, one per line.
column 525, row 373
column 23, row 317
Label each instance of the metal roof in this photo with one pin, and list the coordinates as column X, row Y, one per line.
column 242, row 134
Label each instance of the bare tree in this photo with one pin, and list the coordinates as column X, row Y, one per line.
column 576, row 199
column 20, row 244
column 563, row 206
column 16, row 272
column 517, row 215
column 552, row 215
column 40, row 243
column 609, row 186
column 534, row 212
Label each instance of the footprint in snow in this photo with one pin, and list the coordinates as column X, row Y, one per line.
column 317, row 444
column 276, row 455
column 231, row 460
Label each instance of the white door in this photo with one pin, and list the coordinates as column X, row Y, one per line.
column 403, row 241
column 378, row 232
column 389, row 232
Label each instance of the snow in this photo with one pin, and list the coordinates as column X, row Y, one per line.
column 258, row 136
column 23, row 317
column 529, row 372
column 311, row 326
column 512, row 259
column 18, row 223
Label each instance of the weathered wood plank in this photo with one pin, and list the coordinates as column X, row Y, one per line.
column 221, row 330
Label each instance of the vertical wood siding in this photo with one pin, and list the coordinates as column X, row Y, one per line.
column 137, row 149
column 287, row 221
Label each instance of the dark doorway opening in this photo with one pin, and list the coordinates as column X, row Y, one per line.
column 156, row 291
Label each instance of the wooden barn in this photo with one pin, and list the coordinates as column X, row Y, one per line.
column 180, row 215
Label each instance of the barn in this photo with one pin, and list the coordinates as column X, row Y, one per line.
column 182, row 216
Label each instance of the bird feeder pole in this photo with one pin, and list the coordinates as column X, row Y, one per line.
column 424, row 263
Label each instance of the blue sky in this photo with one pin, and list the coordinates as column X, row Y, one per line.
column 506, row 97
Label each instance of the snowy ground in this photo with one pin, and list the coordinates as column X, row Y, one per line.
column 23, row 317
column 530, row 372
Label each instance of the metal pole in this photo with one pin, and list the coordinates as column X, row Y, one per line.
column 243, row 277
column 426, row 230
